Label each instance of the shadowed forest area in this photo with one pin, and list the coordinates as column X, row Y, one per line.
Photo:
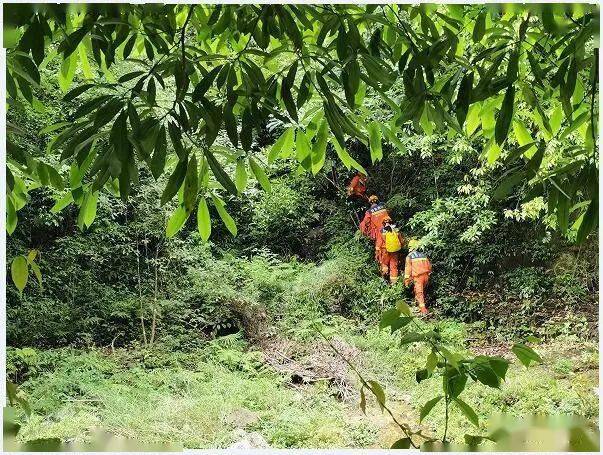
column 212, row 288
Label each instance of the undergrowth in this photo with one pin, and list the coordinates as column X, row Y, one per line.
column 200, row 397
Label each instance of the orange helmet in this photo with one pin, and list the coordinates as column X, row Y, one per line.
column 373, row 199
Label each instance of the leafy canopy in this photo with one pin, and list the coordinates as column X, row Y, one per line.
column 204, row 70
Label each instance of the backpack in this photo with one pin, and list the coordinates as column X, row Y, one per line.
column 392, row 241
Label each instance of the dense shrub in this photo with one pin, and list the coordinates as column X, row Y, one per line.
column 282, row 219
column 527, row 282
column 297, row 253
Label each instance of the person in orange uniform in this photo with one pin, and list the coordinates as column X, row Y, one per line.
column 390, row 243
column 357, row 186
column 372, row 222
column 416, row 271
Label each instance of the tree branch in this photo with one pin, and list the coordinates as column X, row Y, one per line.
column 404, row 427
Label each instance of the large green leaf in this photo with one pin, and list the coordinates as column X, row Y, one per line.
column 432, row 361
column 464, row 98
column 176, row 221
column 37, row 272
column 203, row 219
column 493, row 151
column 400, row 323
column 202, row 87
column 19, row 272
column 525, row 354
column 505, row 116
column 240, row 175
column 303, row 150
column 260, row 175
column 362, row 400
column 87, row 211
column 375, row 141
column 345, row 157
column 427, row 407
column 388, row 318
column 230, row 123
column 563, row 210
column 351, row 81
column 191, row 185
column 106, row 113
column 90, row 208
column 74, row 93
column 159, row 154
column 286, row 94
column 11, row 216
column 67, row 72
column 467, row 411
column 504, row 188
column 282, row 145
column 378, row 392
column 479, row 28
column 575, row 124
column 500, row 365
column 219, row 173
column 454, row 382
column 319, row 149
column 484, row 373
column 523, row 136
column 62, row 203
column 224, row 215
column 70, row 43
column 590, row 220
column 473, row 118
column 175, row 182
column 412, row 337
column 246, row 135
column 403, row 443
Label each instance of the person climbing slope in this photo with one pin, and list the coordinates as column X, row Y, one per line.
column 357, row 199
column 372, row 222
column 390, row 242
column 357, row 186
column 416, row 271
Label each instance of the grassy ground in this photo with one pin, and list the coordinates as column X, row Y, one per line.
column 203, row 398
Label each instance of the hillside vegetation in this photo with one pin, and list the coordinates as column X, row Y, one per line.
column 217, row 293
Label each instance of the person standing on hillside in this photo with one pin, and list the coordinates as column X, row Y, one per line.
column 356, row 192
column 416, row 271
column 357, row 187
column 372, row 223
column 389, row 242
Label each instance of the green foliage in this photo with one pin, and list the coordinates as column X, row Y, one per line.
column 494, row 189
column 223, row 377
column 222, row 67
column 19, row 272
column 527, row 282
column 281, row 219
column 525, row 354
column 455, row 368
column 220, row 380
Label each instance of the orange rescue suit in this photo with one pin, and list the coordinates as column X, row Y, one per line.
column 417, row 270
column 357, row 186
column 389, row 262
column 372, row 222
